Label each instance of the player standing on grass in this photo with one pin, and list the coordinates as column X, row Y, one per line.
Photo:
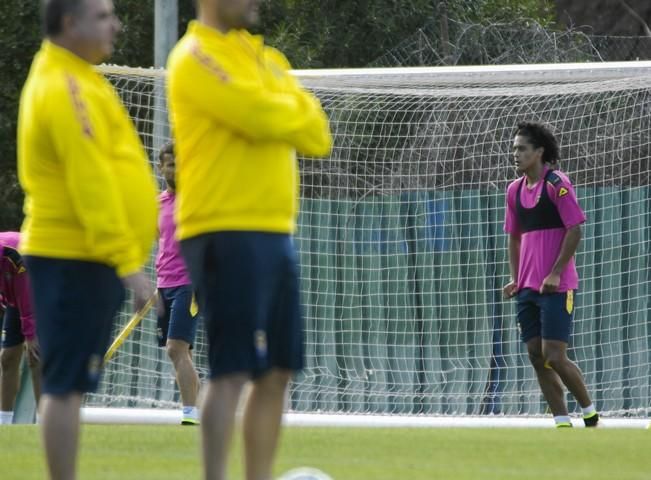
column 18, row 330
column 177, row 327
column 543, row 220
column 238, row 117
column 90, row 211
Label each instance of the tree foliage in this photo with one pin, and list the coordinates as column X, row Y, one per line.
column 503, row 11
column 313, row 34
column 19, row 37
column 340, row 33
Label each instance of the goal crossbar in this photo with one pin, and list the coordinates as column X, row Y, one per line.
column 575, row 72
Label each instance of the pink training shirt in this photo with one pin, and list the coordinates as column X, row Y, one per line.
column 170, row 266
column 14, row 282
column 539, row 249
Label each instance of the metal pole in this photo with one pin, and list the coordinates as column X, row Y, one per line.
column 166, row 31
column 166, row 19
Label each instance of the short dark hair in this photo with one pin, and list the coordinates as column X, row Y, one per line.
column 540, row 135
column 167, row 149
column 53, row 11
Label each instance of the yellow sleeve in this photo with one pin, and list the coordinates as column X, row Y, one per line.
column 81, row 133
column 242, row 105
column 316, row 139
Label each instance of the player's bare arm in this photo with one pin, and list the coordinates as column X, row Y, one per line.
column 511, row 288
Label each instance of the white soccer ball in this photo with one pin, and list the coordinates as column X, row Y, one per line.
column 305, row 473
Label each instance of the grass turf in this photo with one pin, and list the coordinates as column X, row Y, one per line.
column 170, row 452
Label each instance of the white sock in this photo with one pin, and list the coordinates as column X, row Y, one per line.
column 6, row 418
column 589, row 410
column 190, row 412
column 562, row 419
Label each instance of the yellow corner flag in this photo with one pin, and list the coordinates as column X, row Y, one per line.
column 128, row 328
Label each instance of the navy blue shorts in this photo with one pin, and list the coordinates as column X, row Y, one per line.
column 548, row 316
column 247, row 286
column 178, row 323
column 75, row 303
column 12, row 333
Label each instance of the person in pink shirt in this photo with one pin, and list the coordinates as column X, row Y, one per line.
column 18, row 326
column 543, row 220
column 178, row 326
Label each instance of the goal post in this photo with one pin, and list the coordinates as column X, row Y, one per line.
column 402, row 251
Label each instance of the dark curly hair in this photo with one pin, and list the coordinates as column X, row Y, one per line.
column 540, row 135
column 167, row 149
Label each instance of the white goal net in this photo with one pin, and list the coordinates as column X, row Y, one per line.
column 401, row 245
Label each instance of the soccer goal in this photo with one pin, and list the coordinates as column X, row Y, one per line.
column 403, row 255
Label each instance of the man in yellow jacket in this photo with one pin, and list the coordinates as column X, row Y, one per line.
column 238, row 118
column 90, row 211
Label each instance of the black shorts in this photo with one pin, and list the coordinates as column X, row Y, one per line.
column 75, row 303
column 248, row 293
column 178, row 322
column 12, row 333
column 545, row 315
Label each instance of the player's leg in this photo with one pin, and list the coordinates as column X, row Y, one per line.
column 180, row 337
column 186, row 377
column 555, row 352
column 211, row 279
column 60, row 432
column 262, row 420
column 75, row 303
column 217, row 422
column 283, row 349
column 177, row 350
column 529, row 321
column 235, row 275
column 11, row 355
column 557, row 315
column 549, row 381
column 35, row 369
column 10, row 359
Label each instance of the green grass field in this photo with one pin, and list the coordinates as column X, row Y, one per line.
column 170, row 452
